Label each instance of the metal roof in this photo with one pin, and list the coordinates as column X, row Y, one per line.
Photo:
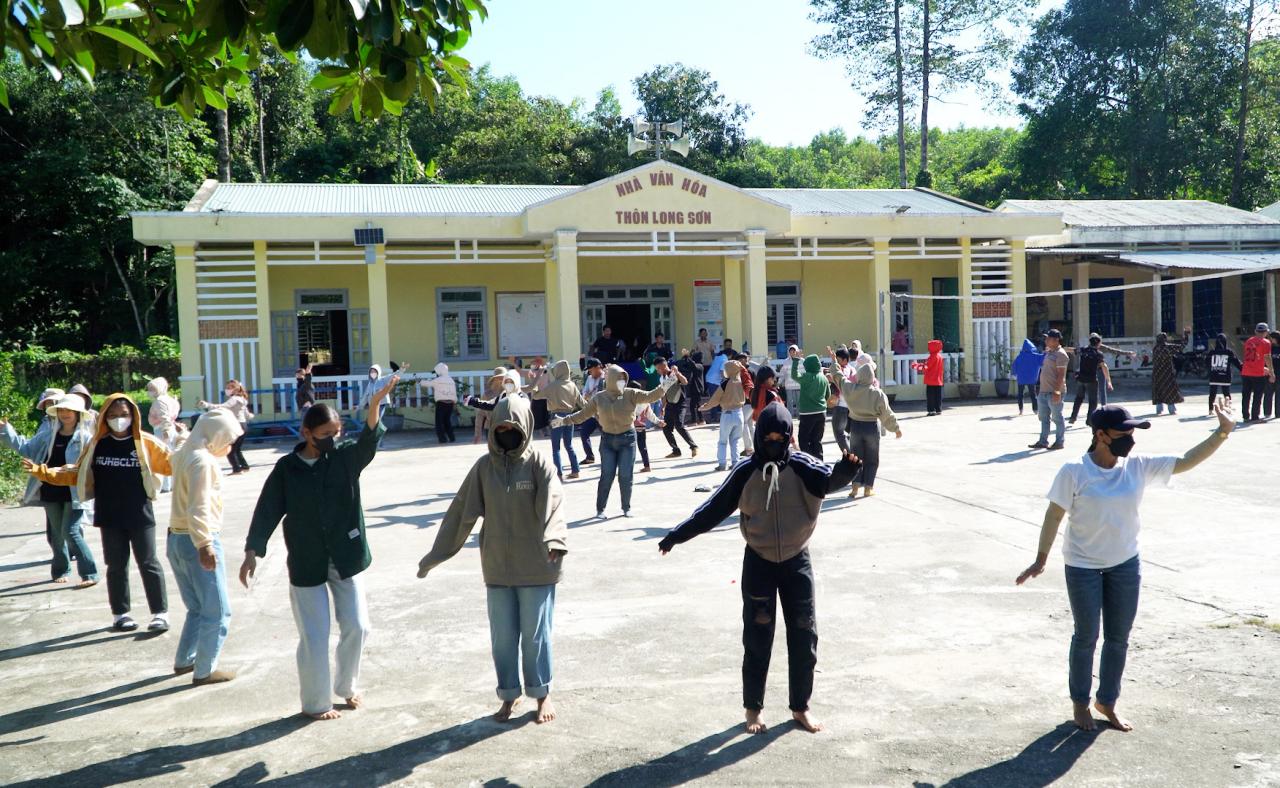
column 1140, row 213
column 331, row 199
column 866, row 201
column 1272, row 211
column 1205, row 261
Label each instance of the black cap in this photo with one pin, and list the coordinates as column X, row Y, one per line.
column 592, row 363
column 1053, row 333
column 1114, row 417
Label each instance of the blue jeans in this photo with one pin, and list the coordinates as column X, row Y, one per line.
column 585, row 430
column 617, row 456
column 563, row 435
column 1050, row 408
column 731, row 428
column 1173, row 409
column 66, row 526
column 1112, row 595
column 204, row 594
column 520, row 634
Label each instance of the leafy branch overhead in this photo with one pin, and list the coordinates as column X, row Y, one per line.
column 375, row 55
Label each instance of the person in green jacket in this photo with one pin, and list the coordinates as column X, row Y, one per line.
column 316, row 489
column 522, row 547
column 815, row 389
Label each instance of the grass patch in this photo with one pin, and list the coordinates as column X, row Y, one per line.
column 1262, row 623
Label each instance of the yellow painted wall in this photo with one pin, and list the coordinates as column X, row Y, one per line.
column 1138, row 305
column 678, row 272
column 285, row 279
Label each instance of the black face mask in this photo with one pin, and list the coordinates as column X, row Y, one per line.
column 324, row 445
column 508, row 440
column 1121, row 446
column 773, row 451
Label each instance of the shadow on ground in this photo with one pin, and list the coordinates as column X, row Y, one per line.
column 1041, row 763
column 694, row 761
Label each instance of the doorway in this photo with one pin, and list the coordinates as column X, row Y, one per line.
column 946, row 313
column 632, row 325
column 634, row 313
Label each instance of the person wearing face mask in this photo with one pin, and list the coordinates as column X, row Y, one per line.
column 195, row 546
column 511, row 384
column 316, row 490
column 814, row 391
column 615, row 408
column 163, row 418
column 237, row 402
column 562, row 397
column 1100, row 495
column 304, row 393
column 119, row 471
column 869, row 413
column 65, row 513
column 778, row 494
column 35, row 447
column 730, row 396
column 515, row 490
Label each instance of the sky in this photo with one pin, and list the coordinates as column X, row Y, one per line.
column 756, row 49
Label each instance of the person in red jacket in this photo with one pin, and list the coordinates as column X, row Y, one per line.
column 932, row 369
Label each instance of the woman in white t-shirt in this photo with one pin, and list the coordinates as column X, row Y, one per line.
column 1100, row 494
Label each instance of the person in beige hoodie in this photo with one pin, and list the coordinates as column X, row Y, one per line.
column 869, row 411
column 563, row 397
column 615, row 408
column 515, row 491
column 729, row 396
column 195, row 546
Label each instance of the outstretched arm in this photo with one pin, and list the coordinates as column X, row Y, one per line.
column 1048, row 532
column 722, row 503
column 843, row 472
column 1205, row 448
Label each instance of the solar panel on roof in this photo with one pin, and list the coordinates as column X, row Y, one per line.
column 369, row 236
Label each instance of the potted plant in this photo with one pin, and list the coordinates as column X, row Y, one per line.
column 967, row 388
column 1003, row 364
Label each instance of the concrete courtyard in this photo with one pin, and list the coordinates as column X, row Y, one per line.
column 934, row 669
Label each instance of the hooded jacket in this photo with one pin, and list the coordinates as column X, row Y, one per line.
column 320, row 504
column 370, row 386
column 691, row 367
column 932, row 366
column 196, row 507
column 39, row 447
column 731, row 394
column 778, row 502
column 867, row 401
column 561, row 393
column 519, row 498
column 442, row 386
column 814, row 386
column 616, row 411
column 164, row 411
column 153, row 456
column 1026, row 366
column 1221, row 359
column 508, row 376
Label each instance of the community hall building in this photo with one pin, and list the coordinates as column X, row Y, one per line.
column 348, row 275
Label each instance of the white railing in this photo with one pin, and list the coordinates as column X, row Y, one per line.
column 905, row 375
column 1137, row 365
column 343, row 391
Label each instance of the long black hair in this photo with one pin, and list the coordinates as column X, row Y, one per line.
column 319, row 415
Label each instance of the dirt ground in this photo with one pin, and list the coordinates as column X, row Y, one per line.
column 934, row 669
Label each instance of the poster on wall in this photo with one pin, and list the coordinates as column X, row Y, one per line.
column 522, row 324
column 708, row 309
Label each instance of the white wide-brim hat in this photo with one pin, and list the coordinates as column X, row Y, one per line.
column 68, row 402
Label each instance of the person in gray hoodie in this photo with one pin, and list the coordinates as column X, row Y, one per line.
column 778, row 494
column 869, row 411
column 563, row 398
column 522, row 547
column 615, row 408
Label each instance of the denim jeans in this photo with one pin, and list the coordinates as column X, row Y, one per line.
column 311, row 615
column 841, row 427
column 617, row 457
column 563, row 435
column 1173, row 409
column 731, row 434
column 1049, row 408
column 1112, row 595
column 864, row 441
column 520, row 635
column 204, row 594
column 66, row 528
column 585, row 431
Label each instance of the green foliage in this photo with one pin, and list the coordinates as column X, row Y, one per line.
column 198, row 54
column 162, row 347
column 15, row 406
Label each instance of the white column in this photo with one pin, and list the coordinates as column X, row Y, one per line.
column 379, row 311
column 1271, row 299
column 755, row 319
column 1155, row 304
column 266, row 350
column 881, row 302
column 564, row 312
column 192, row 376
column 1080, row 319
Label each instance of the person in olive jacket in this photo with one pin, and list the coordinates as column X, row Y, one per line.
column 514, row 490
column 316, row 489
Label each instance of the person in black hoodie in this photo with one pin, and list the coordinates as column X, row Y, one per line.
column 691, row 366
column 778, row 493
column 1221, row 359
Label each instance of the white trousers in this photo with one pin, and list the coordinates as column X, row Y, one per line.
column 311, row 614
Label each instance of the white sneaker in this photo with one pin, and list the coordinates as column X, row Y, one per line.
column 159, row 623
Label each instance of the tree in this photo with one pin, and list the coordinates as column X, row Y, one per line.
column 197, row 52
column 1254, row 14
column 713, row 123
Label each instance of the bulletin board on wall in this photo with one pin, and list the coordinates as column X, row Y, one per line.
column 522, row 324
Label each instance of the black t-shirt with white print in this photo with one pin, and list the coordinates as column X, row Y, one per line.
column 120, row 500
column 1220, row 364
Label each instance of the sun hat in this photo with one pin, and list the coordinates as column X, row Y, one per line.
column 68, row 402
column 50, row 394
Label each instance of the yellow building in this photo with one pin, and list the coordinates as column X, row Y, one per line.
column 470, row 275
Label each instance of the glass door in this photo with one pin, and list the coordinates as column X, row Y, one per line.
column 660, row 320
column 592, row 324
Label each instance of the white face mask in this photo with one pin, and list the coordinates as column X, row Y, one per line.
column 229, row 392
column 373, row 376
column 120, row 423
column 509, row 387
column 620, row 385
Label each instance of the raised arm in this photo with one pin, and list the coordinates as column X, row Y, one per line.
column 1048, row 532
column 722, row 503
column 1205, row 448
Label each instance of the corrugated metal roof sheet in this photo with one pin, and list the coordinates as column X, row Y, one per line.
column 863, row 201
column 1139, row 213
column 1206, row 261
column 371, row 199
column 1272, row 211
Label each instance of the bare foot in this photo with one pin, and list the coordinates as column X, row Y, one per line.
column 331, row 714
column 546, row 712
column 508, row 708
column 755, row 721
column 60, row 580
column 355, row 702
column 86, row 583
column 1116, row 721
column 1083, row 718
column 806, row 721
